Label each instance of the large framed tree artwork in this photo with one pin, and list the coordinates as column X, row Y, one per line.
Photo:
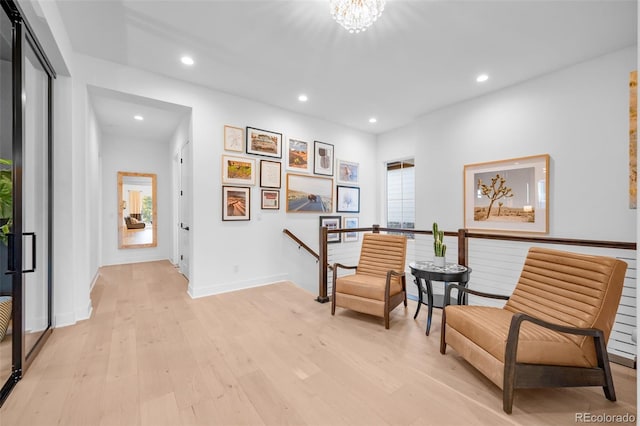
column 508, row 195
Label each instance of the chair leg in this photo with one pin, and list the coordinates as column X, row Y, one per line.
column 404, row 290
column 443, row 341
column 386, row 318
column 507, row 399
column 333, row 304
column 603, row 363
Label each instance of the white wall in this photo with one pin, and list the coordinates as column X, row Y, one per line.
column 232, row 255
column 140, row 156
column 578, row 115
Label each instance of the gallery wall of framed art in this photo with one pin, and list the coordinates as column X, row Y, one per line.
column 315, row 180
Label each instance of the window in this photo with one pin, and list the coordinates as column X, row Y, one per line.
column 401, row 194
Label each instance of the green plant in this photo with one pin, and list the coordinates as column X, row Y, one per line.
column 439, row 247
column 6, row 199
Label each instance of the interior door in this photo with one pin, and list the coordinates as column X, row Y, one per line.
column 184, row 213
column 7, row 304
column 35, row 202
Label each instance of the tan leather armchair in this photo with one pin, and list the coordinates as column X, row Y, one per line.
column 378, row 285
column 552, row 331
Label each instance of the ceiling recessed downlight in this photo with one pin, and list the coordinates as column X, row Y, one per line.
column 187, row 60
column 373, row 120
column 303, row 98
column 482, row 78
column 138, row 117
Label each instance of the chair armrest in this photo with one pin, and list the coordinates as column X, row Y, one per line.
column 511, row 349
column 392, row 273
column 387, row 287
column 519, row 318
column 447, row 293
column 340, row 265
column 335, row 267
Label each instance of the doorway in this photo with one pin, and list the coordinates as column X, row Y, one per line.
column 184, row 210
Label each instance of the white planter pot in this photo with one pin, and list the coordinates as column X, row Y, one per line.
column 439, row 261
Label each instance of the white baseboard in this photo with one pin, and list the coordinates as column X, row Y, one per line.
column 238, row 285
column 70, row 318
column 64, row 320
column 95, row 279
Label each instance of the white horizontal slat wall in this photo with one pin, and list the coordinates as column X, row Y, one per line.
column 496, row 268
column 346, row 253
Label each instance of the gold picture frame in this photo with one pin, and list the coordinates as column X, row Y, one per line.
column 508, row 195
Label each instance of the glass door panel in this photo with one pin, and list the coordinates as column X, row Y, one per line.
column 6, row 196
column 35, row 193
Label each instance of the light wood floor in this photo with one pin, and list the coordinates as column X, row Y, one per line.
column 150, row 355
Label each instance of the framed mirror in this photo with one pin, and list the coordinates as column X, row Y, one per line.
column 137, row 210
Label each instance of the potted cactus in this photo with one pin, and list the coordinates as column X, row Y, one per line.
column 439, row 248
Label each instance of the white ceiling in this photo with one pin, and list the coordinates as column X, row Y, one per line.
column 115, row 111
column 418, row 57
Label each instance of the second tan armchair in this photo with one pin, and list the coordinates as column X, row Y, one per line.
column 378, row 285
column 553, row 330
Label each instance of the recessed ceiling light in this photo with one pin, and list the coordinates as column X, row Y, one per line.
column 138, row 117
column 187, row 60
column 373, row 120
column 303, row 98
column 482, row 78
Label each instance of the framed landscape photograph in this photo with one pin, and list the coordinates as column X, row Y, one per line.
column 348, row 199
column 236, row 203
column 270, row 199
column 331, row 222
column 508, row 195
column 351, row 223
column 264, row 142
column 309, row 194
column 323, row 158
column 270, row 174
column 298, row 159
column 233, row 138
column 348, row 172
column 238, row 170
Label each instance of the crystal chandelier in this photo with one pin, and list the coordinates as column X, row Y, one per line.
column 356, row 15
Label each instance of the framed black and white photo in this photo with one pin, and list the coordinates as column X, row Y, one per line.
column 331, row 222
column 270, row 174
column 348, row 199
column 264, row 142
column 323, row 158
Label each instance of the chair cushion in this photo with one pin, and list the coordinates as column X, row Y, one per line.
column 367, row 286
column 488, row 327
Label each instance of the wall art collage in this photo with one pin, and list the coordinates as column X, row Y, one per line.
column 310, row 170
